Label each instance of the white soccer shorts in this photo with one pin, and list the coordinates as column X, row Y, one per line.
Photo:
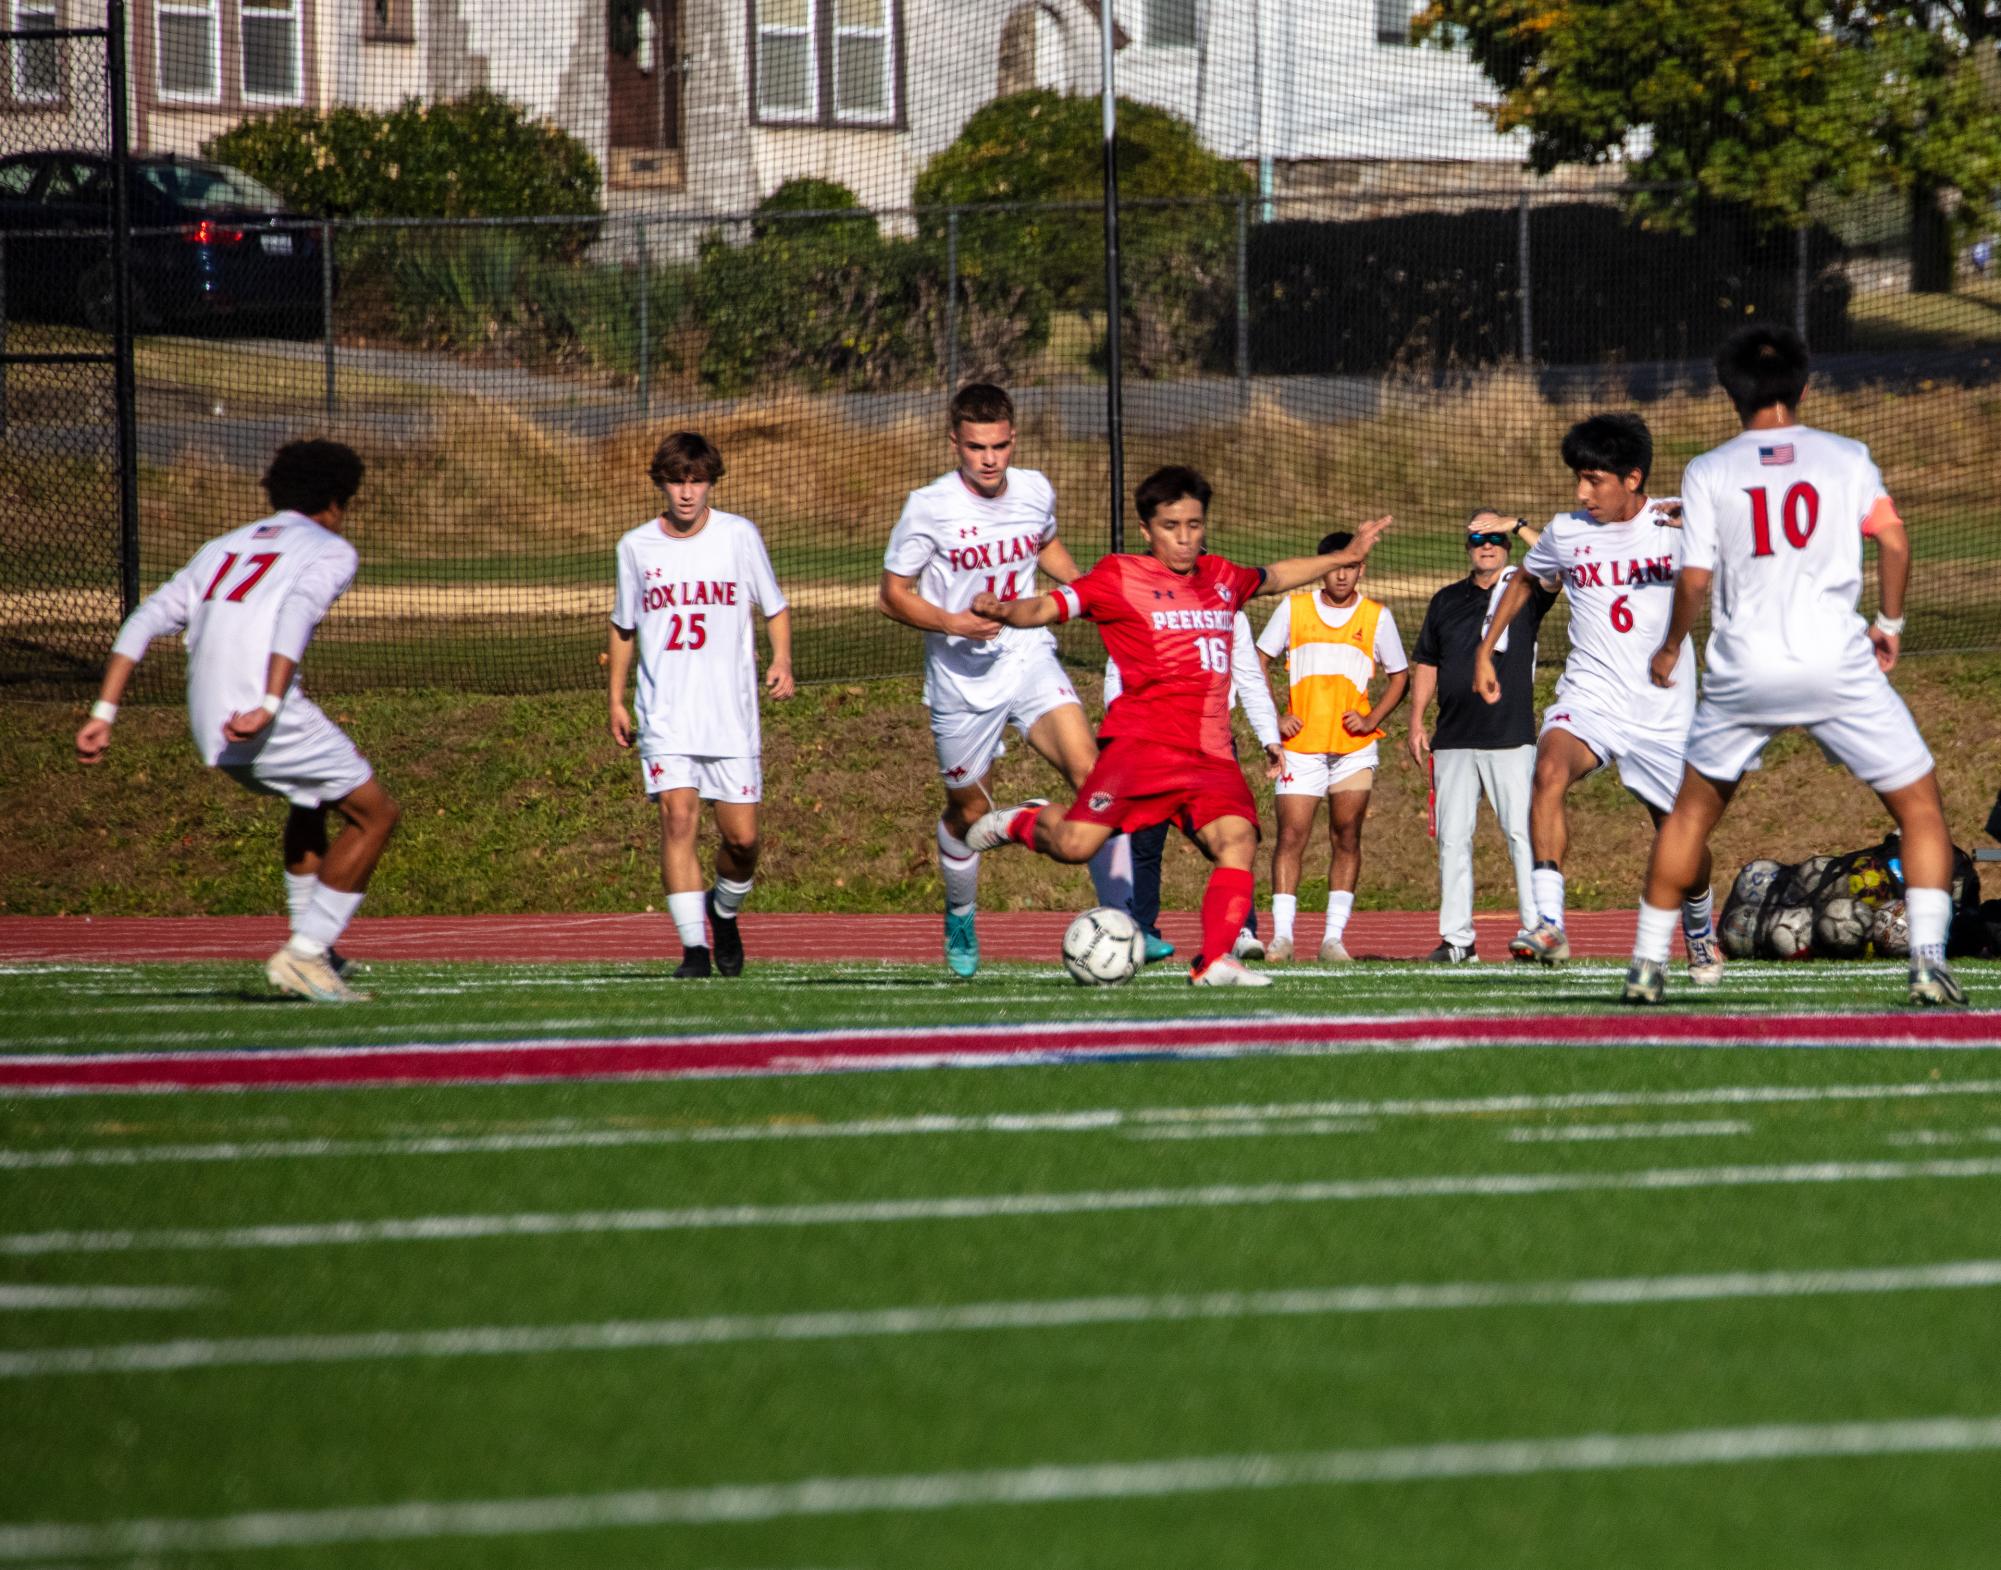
column 302, row 756
column 1863, row 725
column 1649, row 760
column 1327, row 773
column 968, row 740
column 713, row 779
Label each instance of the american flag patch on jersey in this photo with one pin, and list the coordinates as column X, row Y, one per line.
column 1783, row 453
column 267, row 531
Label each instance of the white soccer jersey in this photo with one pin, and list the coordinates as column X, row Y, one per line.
column 688, row 602
column 1620, row 579
column 957, row 543
column 255, row 592
column 1779, row 517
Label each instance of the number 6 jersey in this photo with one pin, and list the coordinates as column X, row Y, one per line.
column 687, row 599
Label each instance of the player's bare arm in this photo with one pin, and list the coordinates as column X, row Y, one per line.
column 93, row 741
column 251, row 722
column 1423, row 688
column 1055, row 560
column 1355, row 723
column 618, row 660
column 1038, row 610
column 1486, row 680
column 899, row 600
column 1282, row 577
column 1691, row 593
column 1893, row 579
column 778, row 674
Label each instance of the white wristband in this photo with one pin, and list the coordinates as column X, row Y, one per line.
column 272, row 703
column 1891, row 626
column 107, row 712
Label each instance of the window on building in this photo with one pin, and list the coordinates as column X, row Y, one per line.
column 270, row 41
column 387, row 22
column 826, row 62
column 1393, row 20
column 1171, row 23
column 188, row 35
column 36, row 69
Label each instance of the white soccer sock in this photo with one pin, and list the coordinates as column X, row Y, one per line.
column 1340, row 905
column 959, row 865
column 323, row 921
column 1283, row 908
column 300, row 887
column 1547, row 884
column 730, row 895
column 1112, row 873
column 1929, row 912
column 688, row 912
column 1655, row 934
column 1698, row 915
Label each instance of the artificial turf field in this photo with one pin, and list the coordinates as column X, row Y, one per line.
column 1413, row 1301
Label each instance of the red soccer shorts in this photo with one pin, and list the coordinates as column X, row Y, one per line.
column 1136, row 784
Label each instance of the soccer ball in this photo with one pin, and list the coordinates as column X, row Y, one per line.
column 1738, row 931
column 1789, row 934
column 1841, row 928
column 1753, row 879
column 1103, row 948
column 1813, row 872
column 1869, row 882
column 1892, row 934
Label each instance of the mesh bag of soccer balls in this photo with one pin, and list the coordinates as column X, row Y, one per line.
column 1846, row 907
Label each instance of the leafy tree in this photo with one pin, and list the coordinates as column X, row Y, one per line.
column 1764, row 102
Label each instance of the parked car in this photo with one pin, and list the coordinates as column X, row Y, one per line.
column 208, row 242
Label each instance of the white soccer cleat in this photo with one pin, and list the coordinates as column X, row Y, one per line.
column 1333, row 953
column 1278, row 951
column 1705, row 958
column 989, row 832
column 312, row 979
column 1247, row 946
column 1545, row 942
column 1227, row 972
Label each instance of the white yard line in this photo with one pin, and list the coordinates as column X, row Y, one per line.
column 981, row 1207
column 737, row 1504
column 1946, row 1136
column 1583, row 1133
column 15, row 1299
column 1086, row 1120
column 1046, row 1314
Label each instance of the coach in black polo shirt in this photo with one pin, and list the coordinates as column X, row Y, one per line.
column 1477, row 746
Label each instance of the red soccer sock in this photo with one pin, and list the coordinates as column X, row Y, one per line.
column 1225, row 903
column 1021, row 827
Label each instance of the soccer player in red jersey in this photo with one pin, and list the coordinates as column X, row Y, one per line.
column 1166, row 618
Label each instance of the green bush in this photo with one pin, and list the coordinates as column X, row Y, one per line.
column 1178, row 257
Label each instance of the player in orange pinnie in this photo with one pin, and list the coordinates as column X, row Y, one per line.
column 1166, row 618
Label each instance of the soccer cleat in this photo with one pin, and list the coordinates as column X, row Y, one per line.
column 728, row 939
column 1333, row 953
column 1646, row 982
column 1278, row 951
column 1227, row 972
column 1933, row 986
column 694, row 963
column 340, row 964
column 1546, row 942
column 1247, row 946
column 1453, row 954
column 962, row 944
column 1158, row 948
column 989, row 832
column 1705, row 958
column 310, row 978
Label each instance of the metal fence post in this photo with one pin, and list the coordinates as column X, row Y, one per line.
column 1527, row 279
column 3, row 337
column 952, row 300
column 645, row 315
column 326, row 309
column 1802, row 280
column 125, row 388
column 1243, row 302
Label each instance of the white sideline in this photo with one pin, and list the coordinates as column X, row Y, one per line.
column 974, row 1207
column 826, row 1496
column 1089, row 1120
column 1585, row 1133
column 1046, row 1314
column 28, row 1298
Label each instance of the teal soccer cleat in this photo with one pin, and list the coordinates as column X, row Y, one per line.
column 962, row 944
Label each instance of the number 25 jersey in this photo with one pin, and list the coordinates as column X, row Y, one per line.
column 687, row 600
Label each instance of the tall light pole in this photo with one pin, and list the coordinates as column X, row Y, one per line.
column 1114, row 365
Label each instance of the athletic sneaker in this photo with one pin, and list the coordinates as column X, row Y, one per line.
column 340, row 964
column 962, row 944
column 1545, row 942
column 310, row 978
column 1227, row 972
column 990, row 831
column 1158, row 948
column 1933, row 986
column 1453, row 954
column 1248, row 946
column 694, row 963
column 1332, row 953
column 1705, row 958
column 1646, row 982
column 728, row 940
column 1278, row 951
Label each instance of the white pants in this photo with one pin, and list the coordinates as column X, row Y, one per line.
column 1461, row 774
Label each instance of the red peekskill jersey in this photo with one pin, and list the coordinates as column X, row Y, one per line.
column 1170, row 635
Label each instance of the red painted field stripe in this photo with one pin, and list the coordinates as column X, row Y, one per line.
column 810, row 1052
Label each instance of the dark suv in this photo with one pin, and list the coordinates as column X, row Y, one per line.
column 208, row 242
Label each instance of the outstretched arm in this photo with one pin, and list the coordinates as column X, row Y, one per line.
column 1282, row 577
column 899, row 600
column 1038, row 610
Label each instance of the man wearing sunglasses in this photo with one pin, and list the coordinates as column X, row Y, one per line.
column 1477, row 748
